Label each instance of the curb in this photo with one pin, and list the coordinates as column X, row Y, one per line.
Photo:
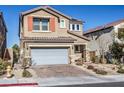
column 19, row 84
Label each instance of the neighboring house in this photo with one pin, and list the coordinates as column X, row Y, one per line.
column 3, row 31
column 50, row 37
column 102, row 37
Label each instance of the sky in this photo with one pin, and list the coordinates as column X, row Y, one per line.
column 92, row 15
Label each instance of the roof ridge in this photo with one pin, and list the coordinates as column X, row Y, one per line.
column 107, row 25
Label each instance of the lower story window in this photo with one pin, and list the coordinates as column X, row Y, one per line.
column 78, row 48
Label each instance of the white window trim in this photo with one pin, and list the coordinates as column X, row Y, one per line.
column 75, row 27
column 64, row 23
column 38, row 31
column 71, row 27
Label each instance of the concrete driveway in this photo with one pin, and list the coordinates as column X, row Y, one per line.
column 64, row 70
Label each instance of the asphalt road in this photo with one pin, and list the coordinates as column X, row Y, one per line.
column 113, row 84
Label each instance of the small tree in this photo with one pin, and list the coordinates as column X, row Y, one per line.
column 116, row 51
column 16, row 50
column 103, row 42
column 118, row 45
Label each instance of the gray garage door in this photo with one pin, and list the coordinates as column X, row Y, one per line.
column 48, row 56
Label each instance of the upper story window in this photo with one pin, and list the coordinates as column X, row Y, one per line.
column 62, row 23
column 41, row 24
column 45, row 24
column 78, row 27
column 36, row 24
column 75, row 27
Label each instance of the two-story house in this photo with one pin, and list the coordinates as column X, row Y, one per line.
column 102, row 37
column 3, row 31
column 48, row 36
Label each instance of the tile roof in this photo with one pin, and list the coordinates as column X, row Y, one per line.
column 80, row 36
column 50, row 39
column 104, row 26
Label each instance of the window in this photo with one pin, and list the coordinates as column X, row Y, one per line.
column 41, row 24
column 45, row 25
column 36, row 24
column 78, row 27
column 75, row 27
column 78, row 48
column 62, row 23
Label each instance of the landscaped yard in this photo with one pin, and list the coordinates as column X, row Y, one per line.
column 104, row 69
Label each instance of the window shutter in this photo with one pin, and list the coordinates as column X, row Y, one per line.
column 52, row 24
column 30, row 23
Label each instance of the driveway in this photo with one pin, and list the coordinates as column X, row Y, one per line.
column 64, row 70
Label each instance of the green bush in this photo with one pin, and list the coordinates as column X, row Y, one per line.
column 99, row 71
column 93, row 59
column 90, row 67
column 115, row 61
column 79, row 61
column 3, row 66
column 7, row 64
column 25, row 63
column 26, row 73
column 97, row 59
column 120, row 71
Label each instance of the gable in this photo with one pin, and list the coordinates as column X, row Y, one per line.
column 47, row 9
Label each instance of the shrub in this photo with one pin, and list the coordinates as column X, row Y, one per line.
column 79, row 61
column 97, row 59
column 120, row 71
column 25, row 63
column 7, row 64
column 3, row 66
column 93, row 59
column 115, row 61
column 26, row 73
column 90, row 67
column 100, row 71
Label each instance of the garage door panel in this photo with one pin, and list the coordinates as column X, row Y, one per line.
column 42, row 56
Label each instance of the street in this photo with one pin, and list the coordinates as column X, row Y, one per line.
column 113, row 84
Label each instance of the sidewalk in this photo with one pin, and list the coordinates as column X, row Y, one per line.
column 79, row 80
column 56, row 81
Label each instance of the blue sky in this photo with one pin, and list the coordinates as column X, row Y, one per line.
column 92, row 15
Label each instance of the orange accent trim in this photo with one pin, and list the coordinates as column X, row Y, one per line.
column 52, row 24
column 30, row 23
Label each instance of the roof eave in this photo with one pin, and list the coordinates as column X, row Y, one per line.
column 85, row 33
column 83, row 37
column 1, row 14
